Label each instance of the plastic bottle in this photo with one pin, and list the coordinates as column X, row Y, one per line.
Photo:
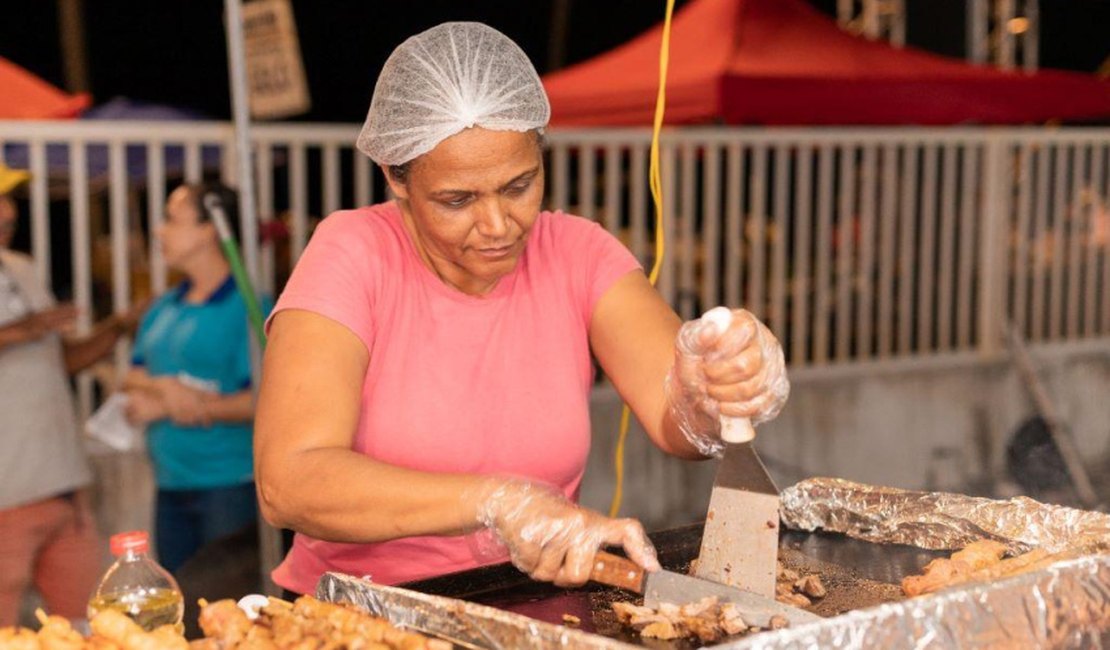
column 138, row 586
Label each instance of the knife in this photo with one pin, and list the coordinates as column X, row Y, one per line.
column 671, row 587
column 740, row 543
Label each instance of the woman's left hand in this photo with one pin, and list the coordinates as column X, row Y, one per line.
column 737, row 371
column 552, row 539
column 184, row 405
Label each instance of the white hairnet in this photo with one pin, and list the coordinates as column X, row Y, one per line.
column 449, row 78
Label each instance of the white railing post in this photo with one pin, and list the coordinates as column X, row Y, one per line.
column 994, row 220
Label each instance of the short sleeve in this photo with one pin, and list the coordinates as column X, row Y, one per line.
column 138, row 358
column 598, row 259
column 138, row 348
column 336, row 276
column 611, row 261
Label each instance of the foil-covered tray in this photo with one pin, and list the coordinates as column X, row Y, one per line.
column 465, row 624
column 1064, row 605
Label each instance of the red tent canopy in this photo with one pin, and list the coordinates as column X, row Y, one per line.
column 783, row 62
column 25, row 96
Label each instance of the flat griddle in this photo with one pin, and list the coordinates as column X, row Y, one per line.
column 856, row 574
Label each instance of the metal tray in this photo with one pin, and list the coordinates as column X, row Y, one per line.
column 1066, row 604
column 857, row 574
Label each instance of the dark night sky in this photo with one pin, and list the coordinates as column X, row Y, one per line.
column 173, row 51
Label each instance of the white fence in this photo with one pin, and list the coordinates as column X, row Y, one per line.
column 858, row 245
column 861, row 245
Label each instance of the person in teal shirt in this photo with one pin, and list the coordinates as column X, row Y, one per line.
column 190, row 384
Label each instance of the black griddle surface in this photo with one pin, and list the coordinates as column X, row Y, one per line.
column 857, row 575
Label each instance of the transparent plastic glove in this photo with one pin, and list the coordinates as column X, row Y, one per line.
column 719, row 372
column 552, row 539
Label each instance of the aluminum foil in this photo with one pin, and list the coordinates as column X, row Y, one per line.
column 1066, row 605
column 467, row 625
column 938, row 520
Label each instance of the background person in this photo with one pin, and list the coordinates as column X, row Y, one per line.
column 190, row 384
column 48, row 536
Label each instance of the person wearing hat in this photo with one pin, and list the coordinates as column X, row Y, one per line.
column 47, row 535
column 425, row 388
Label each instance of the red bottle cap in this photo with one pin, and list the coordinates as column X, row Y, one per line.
column 135, row 540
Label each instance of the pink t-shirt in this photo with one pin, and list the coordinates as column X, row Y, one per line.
column 497, row 384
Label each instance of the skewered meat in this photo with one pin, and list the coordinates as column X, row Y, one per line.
column 112, row 630
column 56, row 633
column 223, row 620
column 307, row 623
column 304, row 625
column 18, row 638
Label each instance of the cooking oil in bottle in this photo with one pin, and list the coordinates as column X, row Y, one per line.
column 138, row 587
column 151, row 609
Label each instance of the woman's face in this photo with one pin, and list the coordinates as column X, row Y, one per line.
column 182, row 233
column 470, row 202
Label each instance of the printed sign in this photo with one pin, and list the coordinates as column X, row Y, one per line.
column 275, row 73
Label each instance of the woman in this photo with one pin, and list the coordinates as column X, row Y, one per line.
column 428, row 369
column 190, row 384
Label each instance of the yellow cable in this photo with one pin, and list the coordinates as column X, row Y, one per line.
column 655, row 180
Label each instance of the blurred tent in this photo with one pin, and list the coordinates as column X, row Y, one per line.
column 121, row 109
column 781, row 62
column 23, row 96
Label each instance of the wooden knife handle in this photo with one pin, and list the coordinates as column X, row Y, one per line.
column 616, row 571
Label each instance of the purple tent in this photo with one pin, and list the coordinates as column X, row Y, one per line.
column 120, row 108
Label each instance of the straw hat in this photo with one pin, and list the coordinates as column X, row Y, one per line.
column 11, row 178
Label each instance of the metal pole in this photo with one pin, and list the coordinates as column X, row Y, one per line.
column 978, row 30
column 237, row 68
column 71, row 29
column 1004, row 37
column 1030, row 41
column 995, row 224
column 269, row 539
column 557, row 40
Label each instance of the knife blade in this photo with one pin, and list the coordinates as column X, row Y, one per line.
column 671, row 587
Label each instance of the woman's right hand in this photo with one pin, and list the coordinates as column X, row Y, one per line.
column 552, row 539
column 143, row 407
